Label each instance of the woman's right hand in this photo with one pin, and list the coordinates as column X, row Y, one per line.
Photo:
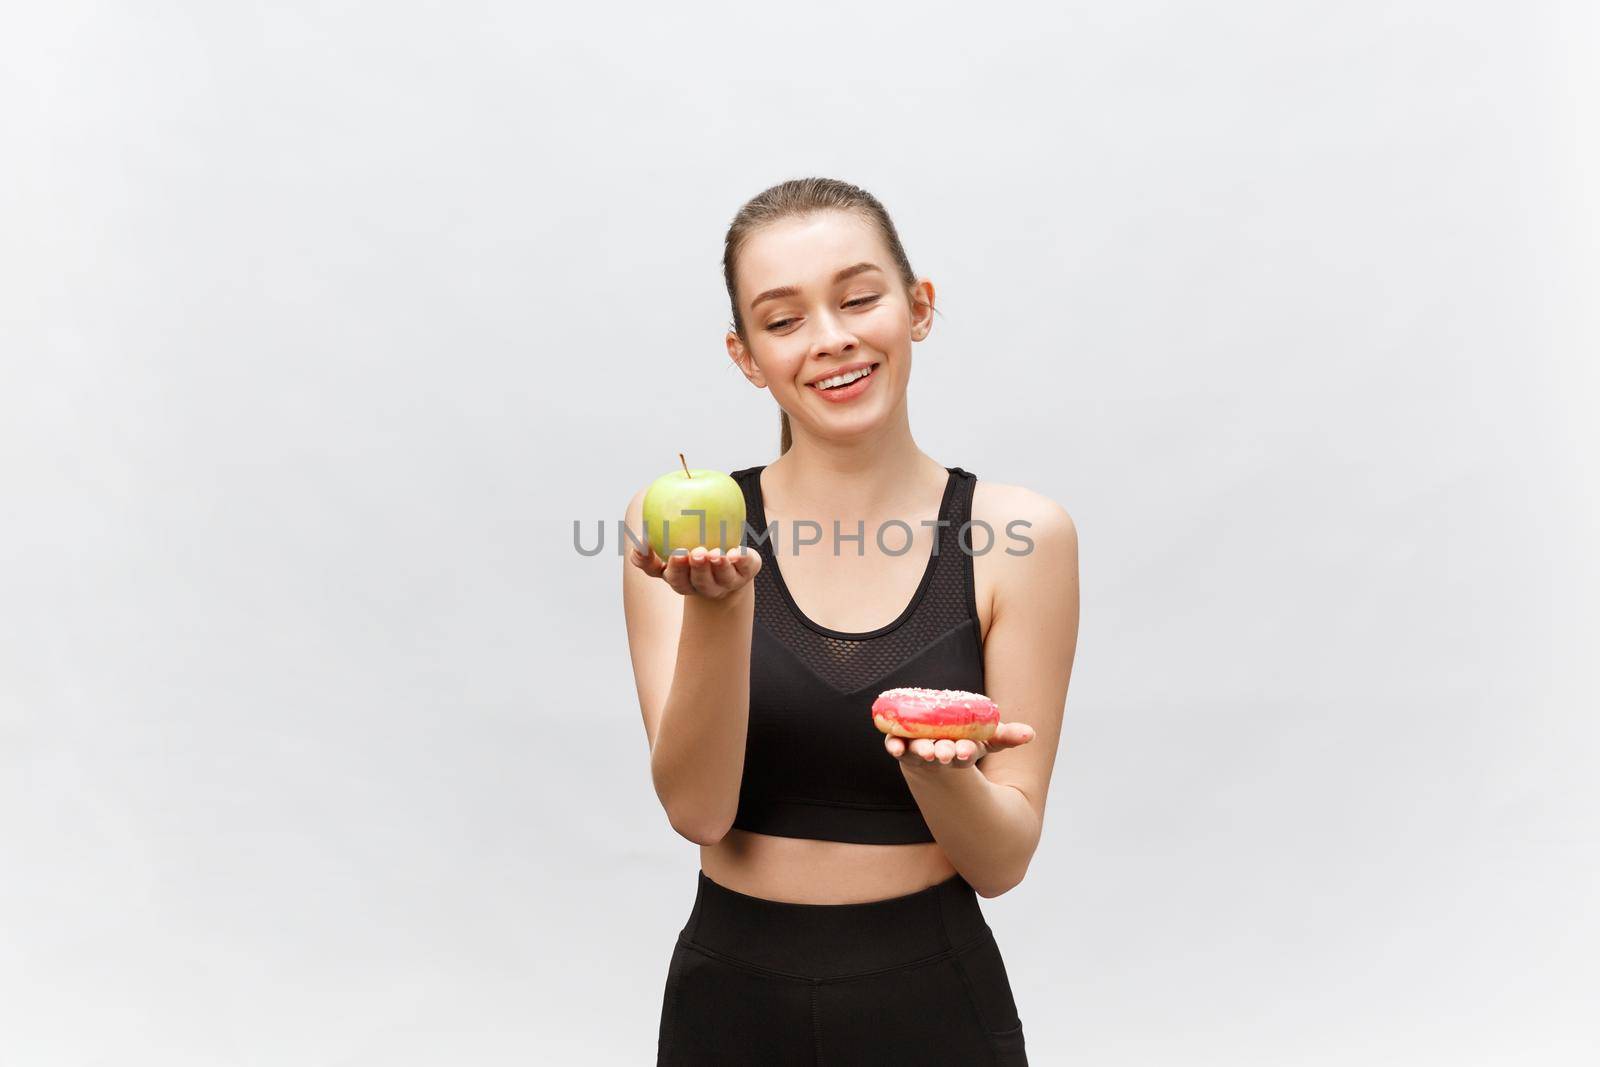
column 702, row 572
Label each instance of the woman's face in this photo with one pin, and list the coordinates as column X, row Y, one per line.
column 806, row 324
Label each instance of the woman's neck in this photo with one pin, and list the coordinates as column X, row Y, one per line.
column 863, row 477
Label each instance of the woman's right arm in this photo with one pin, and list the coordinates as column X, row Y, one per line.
column 689, row 626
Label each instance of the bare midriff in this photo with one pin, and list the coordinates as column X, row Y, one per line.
column 805, row 871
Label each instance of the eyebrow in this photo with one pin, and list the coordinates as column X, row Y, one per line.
column 789, row 290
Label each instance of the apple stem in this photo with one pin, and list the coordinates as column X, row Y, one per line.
column 686, row 473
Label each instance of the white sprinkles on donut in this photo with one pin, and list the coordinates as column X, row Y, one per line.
column 914, row 711
column 941, row 696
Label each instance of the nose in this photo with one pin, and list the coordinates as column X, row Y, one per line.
column 832, row 339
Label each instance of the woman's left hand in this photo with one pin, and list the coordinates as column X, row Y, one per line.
column 927, row 752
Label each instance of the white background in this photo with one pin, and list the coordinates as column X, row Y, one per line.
column 320, row 324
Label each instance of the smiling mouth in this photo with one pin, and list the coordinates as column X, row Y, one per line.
column 823, row 389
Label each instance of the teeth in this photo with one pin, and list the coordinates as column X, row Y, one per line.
column 844, row 379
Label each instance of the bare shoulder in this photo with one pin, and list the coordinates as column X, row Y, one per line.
column 1033, row 569
column 1016, row 513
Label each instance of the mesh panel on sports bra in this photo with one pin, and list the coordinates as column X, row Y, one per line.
column 814, row 763
column 943, row 600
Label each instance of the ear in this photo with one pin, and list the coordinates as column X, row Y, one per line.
column 745, row 361
column 921, row 309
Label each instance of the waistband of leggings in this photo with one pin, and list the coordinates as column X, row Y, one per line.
column 834, row 940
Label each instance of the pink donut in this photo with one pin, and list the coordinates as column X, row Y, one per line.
column 947, row 713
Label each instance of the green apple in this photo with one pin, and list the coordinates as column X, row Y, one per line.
column 673, row 506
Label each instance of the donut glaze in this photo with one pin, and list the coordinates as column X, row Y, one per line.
column 938, row 713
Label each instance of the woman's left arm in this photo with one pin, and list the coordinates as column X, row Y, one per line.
column 984, row 801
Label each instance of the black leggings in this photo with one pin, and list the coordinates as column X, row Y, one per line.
column 916, row 979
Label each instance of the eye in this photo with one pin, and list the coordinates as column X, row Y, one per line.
column 849, row 304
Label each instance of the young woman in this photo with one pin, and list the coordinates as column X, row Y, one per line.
column 835, row 920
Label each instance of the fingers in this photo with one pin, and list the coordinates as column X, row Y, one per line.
column 929, row 749
column 710, row 573
column 731, row 570
column 703, row 568
column 1010, row 735
column 746, row 561
column 675, row 572
column 704, row 572
column 925, row 750
column 913, row 750
column 651, row 564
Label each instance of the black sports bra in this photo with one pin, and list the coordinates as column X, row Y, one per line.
column 814, row 764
